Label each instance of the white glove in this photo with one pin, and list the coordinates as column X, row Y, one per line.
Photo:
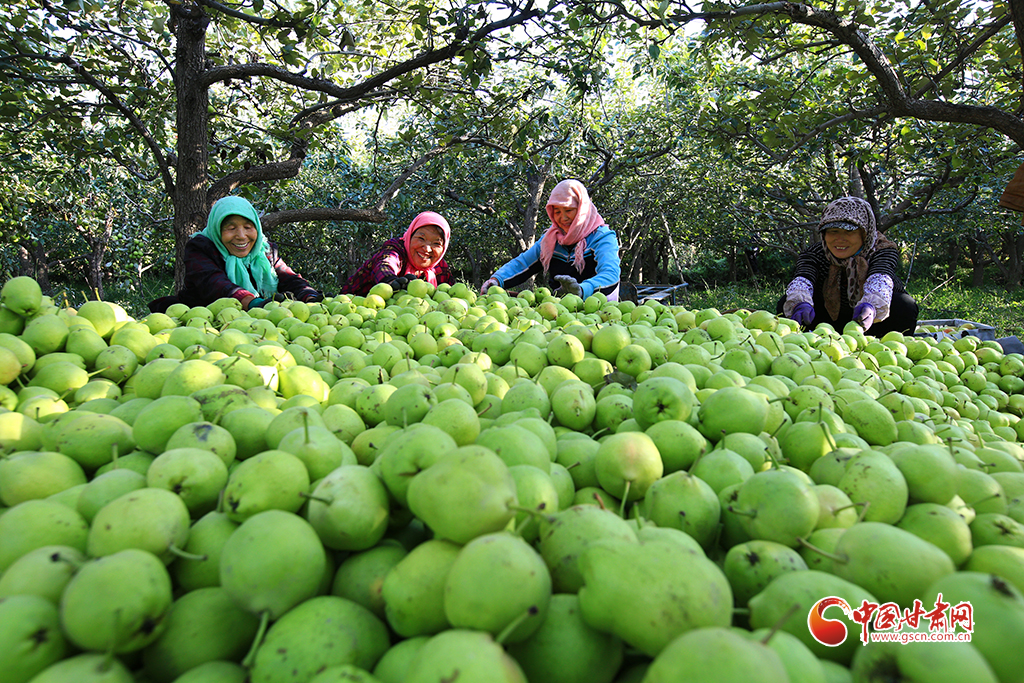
column 568, row 285
column 487, row 285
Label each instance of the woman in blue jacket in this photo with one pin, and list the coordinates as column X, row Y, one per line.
column 578, row 250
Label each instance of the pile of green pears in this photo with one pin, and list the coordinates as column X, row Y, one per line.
column 434, row 485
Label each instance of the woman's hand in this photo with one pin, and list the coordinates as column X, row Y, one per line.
column 490, row 282
column 864, row 315
column 568, row 285
column 803, row 313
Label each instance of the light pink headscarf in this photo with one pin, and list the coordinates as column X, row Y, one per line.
column 569, row 194
column 426, row 218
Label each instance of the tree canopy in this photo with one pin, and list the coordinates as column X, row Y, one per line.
column 718, row 128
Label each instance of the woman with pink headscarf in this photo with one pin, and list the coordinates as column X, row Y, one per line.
column 418, row 254
column 579, row 251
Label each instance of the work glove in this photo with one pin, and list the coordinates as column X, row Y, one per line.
column 864, row 315
column 568, row 285
column 315, row 297
column 490, row 282
column 803, row 313
column 260, row 303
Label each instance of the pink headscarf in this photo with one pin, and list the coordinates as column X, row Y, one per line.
column 569, row 194
column 426, row 218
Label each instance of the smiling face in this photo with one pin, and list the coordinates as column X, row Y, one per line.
column 843, row 243
column 426, row 246
column 563, row 216
column 238, row 234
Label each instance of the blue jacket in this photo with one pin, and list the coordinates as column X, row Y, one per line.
column 600, row 259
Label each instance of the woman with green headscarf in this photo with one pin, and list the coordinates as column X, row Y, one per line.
column 232, row 258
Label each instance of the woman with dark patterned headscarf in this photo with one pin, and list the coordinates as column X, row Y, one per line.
column 850, row 275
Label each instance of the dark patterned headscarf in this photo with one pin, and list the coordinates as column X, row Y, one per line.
column 849, row 213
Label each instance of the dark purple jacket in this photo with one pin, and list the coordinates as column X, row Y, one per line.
column 385, row 265
column 206, row 279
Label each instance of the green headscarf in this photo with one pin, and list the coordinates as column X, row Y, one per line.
column 257, row 263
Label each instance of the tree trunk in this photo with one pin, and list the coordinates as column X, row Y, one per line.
column 190, row 203
column 952, row 258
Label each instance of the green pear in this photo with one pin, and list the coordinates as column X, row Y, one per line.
column 30, row 636
column 203, row 625
column 349, row 508
column 523, row 395
column 86, row 668
column 206, row 436
column 660, row 398
column 360, row 577
column 714, row 655
column 456, row 417
column 516, row 445
column 732, row 409
column 218, row 400
column 343, row 421
column 116, row 363
column 157, row 421
column 319, row 449
column 875, row 557
column 1004, row 561
column 835, row 508
column 136, row 337
column 650, row 593
column 290, row 419
column 679, row 443
column 19, row 432
column 935, row 662
column 535, row 490
column 150, row 378
column 22, row 351
column 466, row 493
column 130, row 409
column 565, row 535
column 751, row 566
column 62, row 377
column 413, row 591
column 565, row 650
column 409, row 452
column 95, row 439
column 995, row 602
column 463, row 654
column 798, row 660
column 117, row 603
column 514, row 612
column 138, row 461
column 540, row 427
column 206, row 539
column 197, row 475
column 942, row 527
column 872, row 478
column 248, row 428
column 685, row 502
column 830, row 468
column 43, row 572
column 86, row 343
column 22, row 295
column 37, row 523
column 803, row 443
column 980, row 491
column 190, row 376
column 368, row 444
column 271, row 480
column 408, row 404
column 930, row 471
column 155, row 520
column 578, row 456
column 991, row 528
column 722, row 467
column 787, row 600
column 105, row 487
column 627, row 464
column 37, row 474
column 777, row 505
column 574, row 406
column 273, row 561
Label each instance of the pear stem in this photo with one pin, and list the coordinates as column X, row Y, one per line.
column 175, row 550
column 310, row 496
column 777, row 626
column 250, row 658
column 625, row 495
column 824, row 553
column 514, row 624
